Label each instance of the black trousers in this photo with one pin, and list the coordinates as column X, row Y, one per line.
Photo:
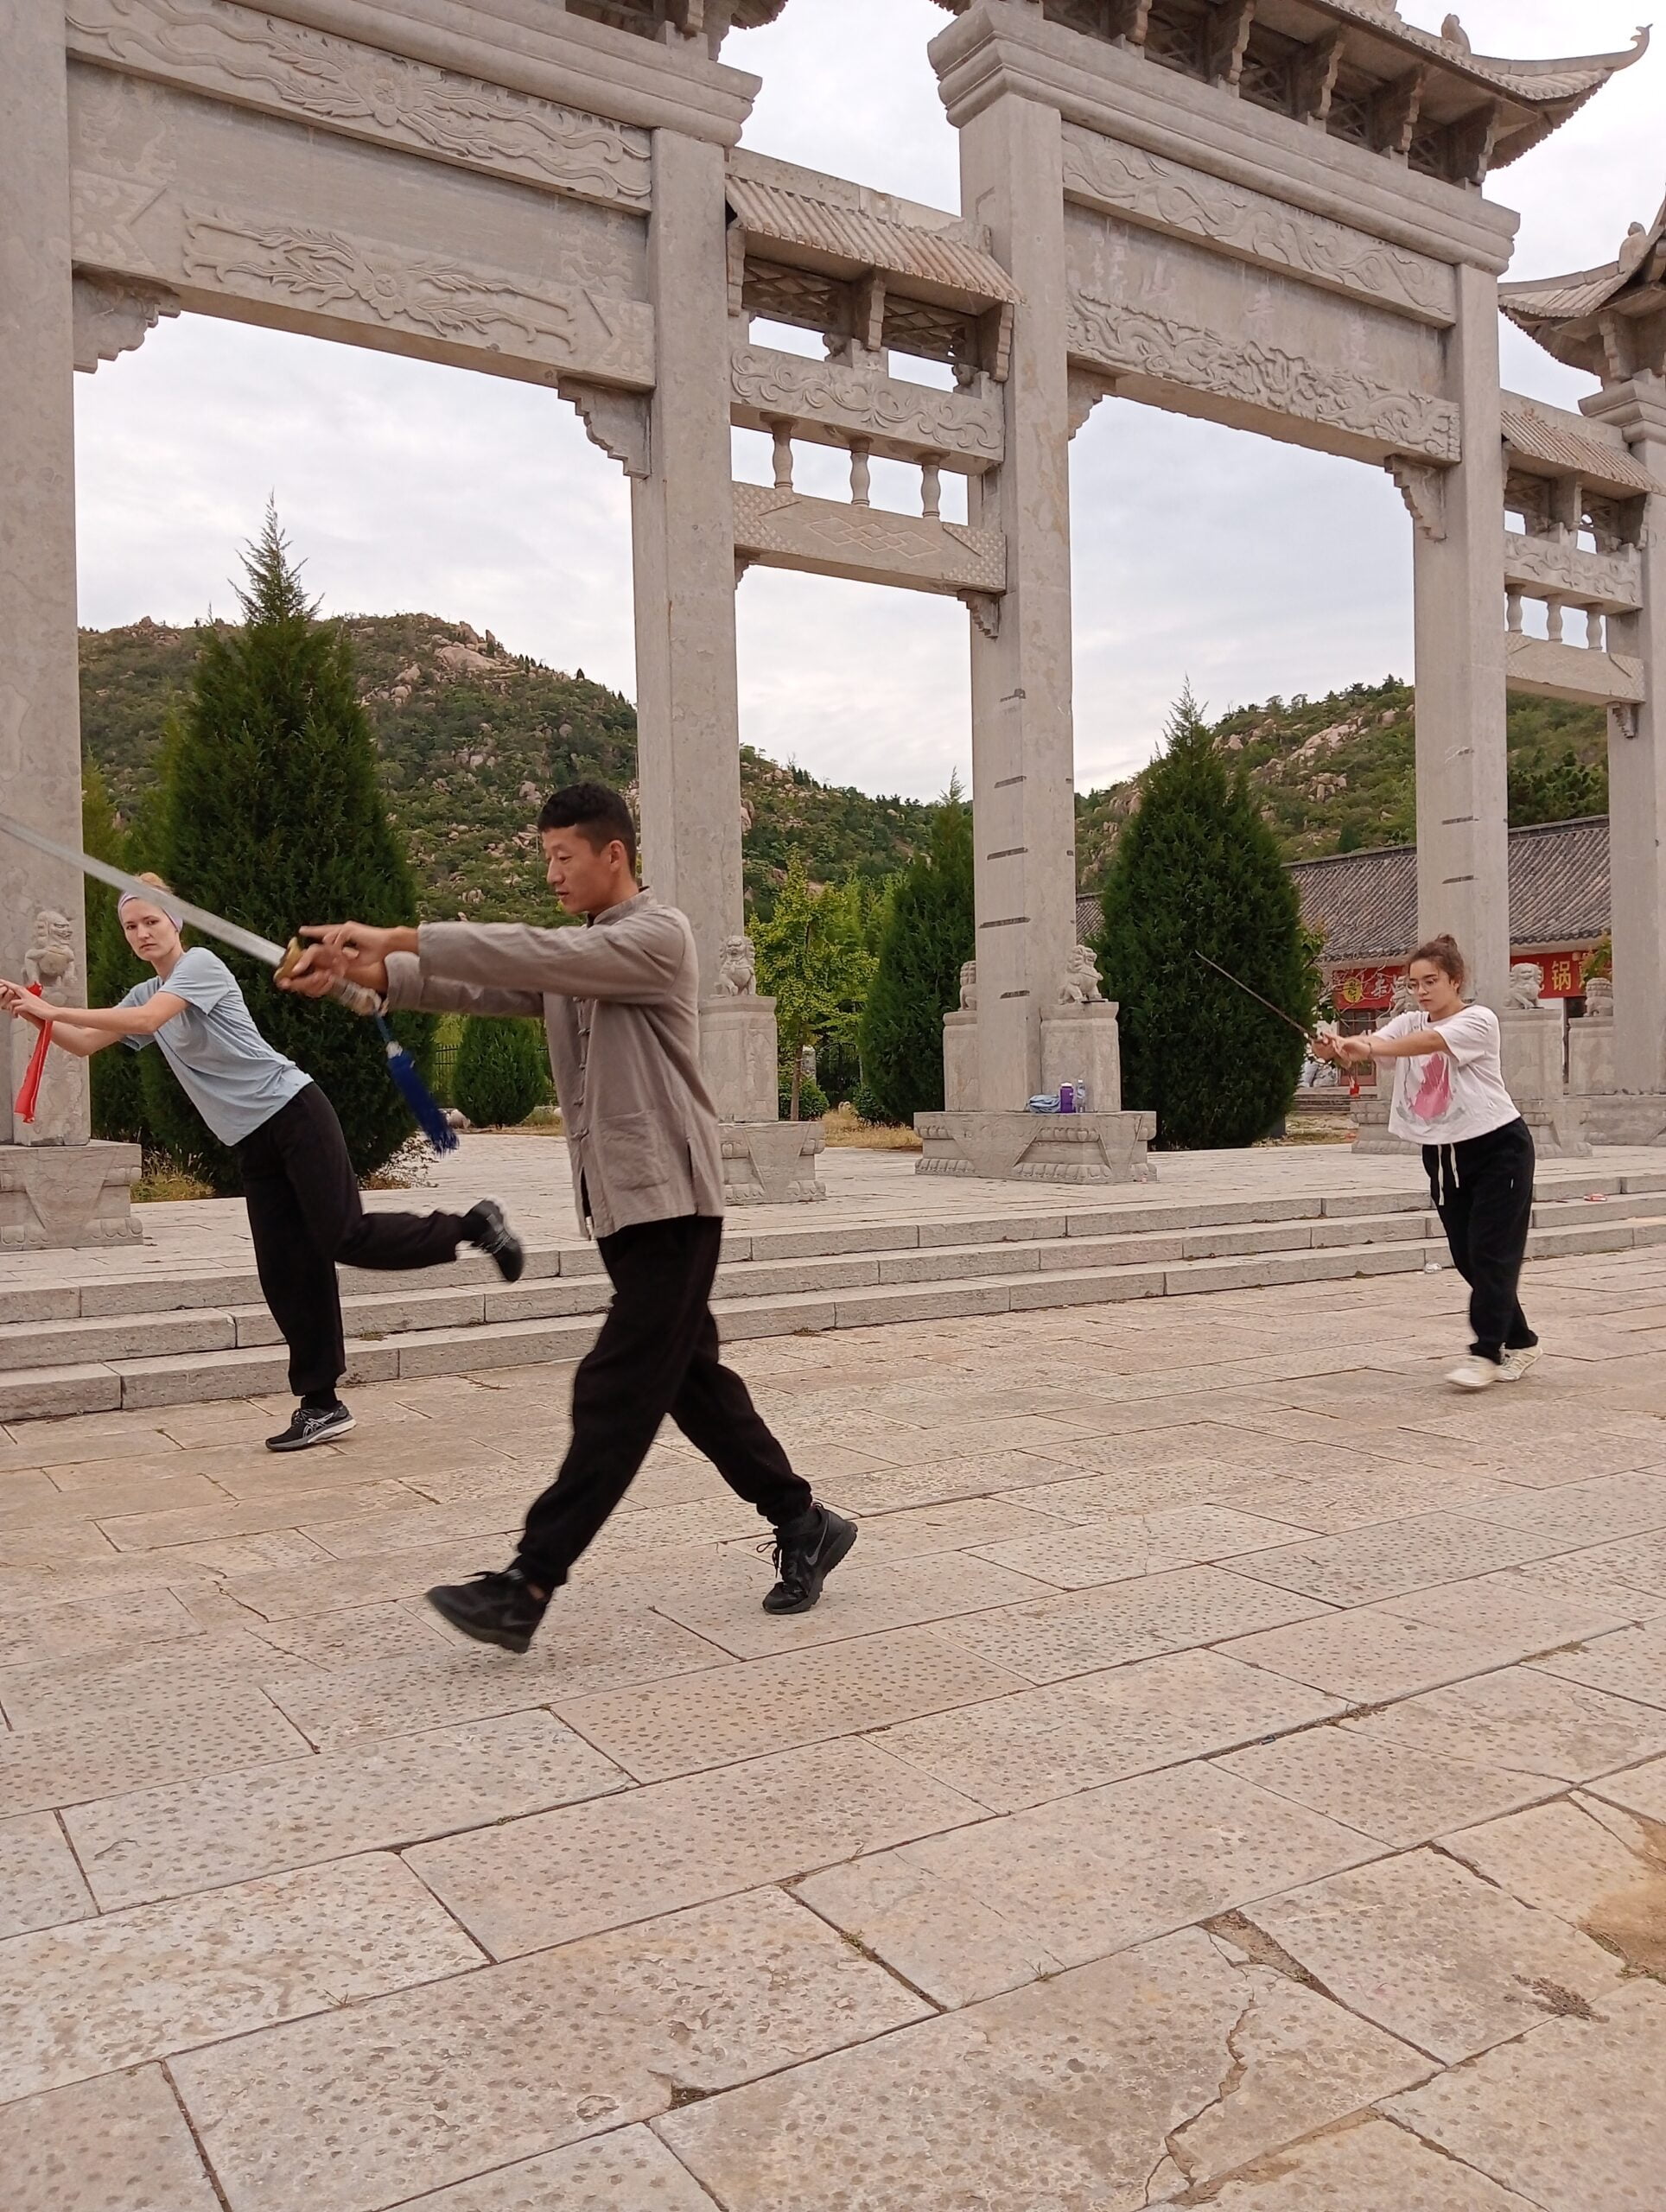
column 1483, row 1191
column 656, row 1355
column 306, row 1214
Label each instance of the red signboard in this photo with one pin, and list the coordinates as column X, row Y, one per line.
column 1371, row 989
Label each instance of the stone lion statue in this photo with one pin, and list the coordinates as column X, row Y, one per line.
column 50, row 960
column 1405, row 999
column 1526, row 981
column 737, row 969
column 969, row 987
column 1081, row 983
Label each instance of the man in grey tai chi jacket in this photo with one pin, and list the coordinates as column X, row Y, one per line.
column 620, row 1003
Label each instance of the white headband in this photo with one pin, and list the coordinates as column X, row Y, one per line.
column 156, row 899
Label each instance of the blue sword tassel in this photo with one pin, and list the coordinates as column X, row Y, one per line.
column 430, row 1120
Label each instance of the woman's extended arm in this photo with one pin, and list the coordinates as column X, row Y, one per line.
column 86, row 1029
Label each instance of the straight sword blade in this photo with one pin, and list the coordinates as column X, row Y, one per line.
column 240, row 939
column 1288, row 1020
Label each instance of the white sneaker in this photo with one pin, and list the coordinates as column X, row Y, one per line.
column 1474, row 1373
column 1516, row 1363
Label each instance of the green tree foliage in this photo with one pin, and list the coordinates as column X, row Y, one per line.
column 271, row 817
column 1197, row 870
column 503, row 1071
column 927, row 933
column 813, row 960
column 112, row 968
column 1557, row 790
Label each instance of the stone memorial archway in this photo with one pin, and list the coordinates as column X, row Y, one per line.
column 1267, row 212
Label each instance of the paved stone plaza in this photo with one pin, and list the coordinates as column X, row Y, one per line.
column 1229, row 1769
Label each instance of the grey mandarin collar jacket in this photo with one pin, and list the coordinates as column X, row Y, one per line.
column 620, row 1006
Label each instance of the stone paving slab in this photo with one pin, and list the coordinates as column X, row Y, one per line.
column 1628, row 1662
column 1373, row 2167
column 100, row 1994
column 741, row 1712
column 1370, row 1655
column 628, row 2171
column 1601, row 1869
column 531, row 1883
column 1435, row 1956
column 1070, row 1736
column 1574, row 2114
column 978, row 1909
column 1526, row 1722
column 118, row 2144
column 40, row 1883
column 170, row 1739
column 70, row 1691
column 1362, row 1566
column 230, row 1827
column 343, row 2109
column 1050, row 1638
column 1136, row 1544
column 859, row 1601
column 1084, row 2091
column 1394, row 1791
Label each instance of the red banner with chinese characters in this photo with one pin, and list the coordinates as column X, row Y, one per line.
column 1562, row 974
column 1369, row 988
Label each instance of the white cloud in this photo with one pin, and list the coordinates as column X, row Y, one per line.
column 1250, row 567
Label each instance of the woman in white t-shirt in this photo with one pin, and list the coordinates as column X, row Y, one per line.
column 1449, row 1097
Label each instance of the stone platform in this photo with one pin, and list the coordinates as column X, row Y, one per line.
column 1230, row 1768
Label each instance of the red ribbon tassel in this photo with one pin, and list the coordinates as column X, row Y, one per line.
column 28, row 1096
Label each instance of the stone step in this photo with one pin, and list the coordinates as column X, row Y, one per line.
column 174, row 1375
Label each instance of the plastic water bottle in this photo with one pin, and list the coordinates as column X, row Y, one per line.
column 1068, row 1097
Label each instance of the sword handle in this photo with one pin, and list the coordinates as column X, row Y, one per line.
column 357, row 998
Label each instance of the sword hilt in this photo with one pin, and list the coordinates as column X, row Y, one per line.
column 356, row 997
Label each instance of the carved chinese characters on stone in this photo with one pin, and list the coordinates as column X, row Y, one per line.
column 1252, row 374
column 284, row 69
column 1235, row 220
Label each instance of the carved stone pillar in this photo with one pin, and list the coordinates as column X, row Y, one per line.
column 1637, row 771
column 62, row 1190
column 687, row 720
column 1023, row 793
column 1463, row 851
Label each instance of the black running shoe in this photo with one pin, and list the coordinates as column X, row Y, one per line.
column 806, row 1552
column 488, row 1231
column 492, row 1608
column 310, row 1424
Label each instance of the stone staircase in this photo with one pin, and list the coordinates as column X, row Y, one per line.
column 96, row 1342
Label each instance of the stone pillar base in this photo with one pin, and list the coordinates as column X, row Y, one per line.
column 772, row 1163
column 959, row 1061
column 1038, row 1148
column 1371, row 1132
column 63, row 1197
column 1626, row 1117
column 1079, row 1045
column 1558, row 1128
column 737, row 1057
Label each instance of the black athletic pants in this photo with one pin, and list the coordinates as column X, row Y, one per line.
column 306, row 1214
column 1483, row 1191
column 656, row 1355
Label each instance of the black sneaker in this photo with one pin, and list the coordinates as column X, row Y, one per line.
column 490, row 1233
column 806, row 1552
column 310, row 1424
column 492, row 1608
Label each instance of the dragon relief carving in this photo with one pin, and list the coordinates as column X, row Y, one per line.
column 1170, row 197
column 472, row 306
column 1133, row 341
column 256, row 60
column 771, row 383
column 1570, row 570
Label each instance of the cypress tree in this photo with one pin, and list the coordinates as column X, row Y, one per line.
column 929, row 931
column 1198, row 870
column 112, row 967
column 503, row 1071
column 271, row 816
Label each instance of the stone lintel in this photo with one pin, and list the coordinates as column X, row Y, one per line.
column 258, row 61
column 829, row 403
column 1612, row 582
column 529, row 47
column 1022, row 1147
column 988, row 53
column 1546, row 670
column 825, row 537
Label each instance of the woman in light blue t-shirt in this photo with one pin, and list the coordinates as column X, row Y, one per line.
column 305, row 1213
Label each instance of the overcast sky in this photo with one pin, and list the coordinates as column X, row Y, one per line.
column 1249, row 567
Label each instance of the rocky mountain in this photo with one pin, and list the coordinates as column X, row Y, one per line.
column 471, row 737
column 1336, row 774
